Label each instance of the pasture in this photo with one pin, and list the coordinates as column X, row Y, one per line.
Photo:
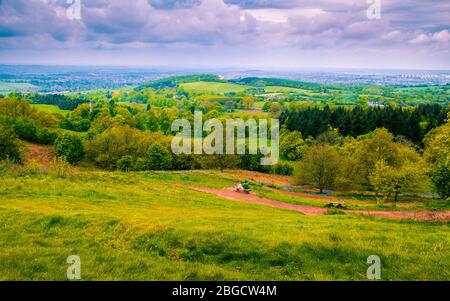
column 151, row 226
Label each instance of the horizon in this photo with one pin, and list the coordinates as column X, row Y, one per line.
column 214, row 69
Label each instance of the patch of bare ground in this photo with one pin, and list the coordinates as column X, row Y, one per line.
column 231, row 194
column 43, row 155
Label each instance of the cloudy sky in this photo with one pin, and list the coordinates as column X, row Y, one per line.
column 410, row 34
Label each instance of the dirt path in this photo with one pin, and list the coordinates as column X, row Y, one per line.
column 251, row 198
column 443, row 216
column 309, row 195
column 230, row 194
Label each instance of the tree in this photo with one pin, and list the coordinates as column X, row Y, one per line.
column 437, row 153
column 410, row 177
column 111, row 145
column 330, row 136
column 70, row 147
column 292, row 145
column 9, row 147
column 365, row 152
column 158, row 157
column 320, row 167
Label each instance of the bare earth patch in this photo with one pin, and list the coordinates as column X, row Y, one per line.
column 259, row 177
column 231, row 194
column 43, row 155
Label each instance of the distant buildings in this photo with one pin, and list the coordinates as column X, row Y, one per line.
column 375, row 104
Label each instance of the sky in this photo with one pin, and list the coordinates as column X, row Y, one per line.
column 283, row 34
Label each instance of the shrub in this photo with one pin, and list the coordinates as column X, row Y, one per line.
column 7, row 167
column 158, row 157
column 252, row 162
column 25, row 129
column 60, row 167
column 46, row 136
column 125, row 163
column 9, row 147
column 69, row 147
column 284, row 169
column 111, row 145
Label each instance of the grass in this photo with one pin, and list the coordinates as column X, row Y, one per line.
column 354, row 203
column 50, row 109
column 277, row 89
column 210, row 87
column 6, row 87
column 142, row 226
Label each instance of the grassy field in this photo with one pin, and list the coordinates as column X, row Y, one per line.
column 15, row 87
column 143, row 226
column 275, row 89
column 211, row 87
column 50, row 109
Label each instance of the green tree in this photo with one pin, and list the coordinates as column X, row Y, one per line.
column 320, row 167
column 437, row 153
column 292, row 145
column 9, row 147
column 364, row 153
column 158, row 157
column 409, row 177
column 70, row 147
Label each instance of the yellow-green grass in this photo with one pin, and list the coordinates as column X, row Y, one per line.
column 142, row 226
column 50, row 109
column 275, row 89
column 211, row 87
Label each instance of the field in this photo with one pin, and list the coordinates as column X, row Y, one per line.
column 15, row 87
column 211, row 87
column 275, row 89
column 50, row 109
column 152, row 226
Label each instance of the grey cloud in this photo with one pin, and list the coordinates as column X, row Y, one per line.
column 118, row 24
column 174, row 4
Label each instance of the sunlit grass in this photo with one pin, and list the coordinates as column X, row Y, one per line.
column 143, row 226
column 50, row 109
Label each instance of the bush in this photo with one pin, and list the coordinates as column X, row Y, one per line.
column 69, row 147
column 60, row 167
column 252, row 162
column 158, row 157
column 46, row 136
column 108, row 147
column 283, row 169
column 9, row 147
column 7, row 167
column 125, row 163
column 25, row 129
column 184, row 162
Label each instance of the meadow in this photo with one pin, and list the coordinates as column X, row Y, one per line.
column 150, row 226
column 213, row 87
column 6, row 87
column 50, row 109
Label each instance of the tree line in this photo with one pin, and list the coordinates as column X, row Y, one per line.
column 412, row 123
